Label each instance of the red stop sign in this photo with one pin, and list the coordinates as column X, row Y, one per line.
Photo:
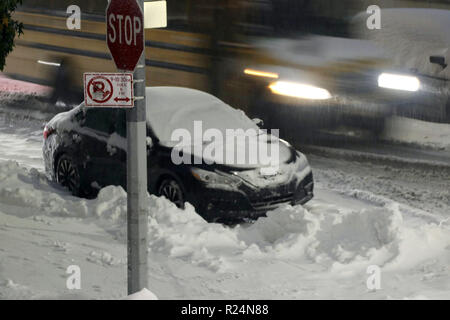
column 125, row 32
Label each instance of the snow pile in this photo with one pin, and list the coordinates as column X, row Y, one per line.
column 326, row 236
column 26, row 105
column 344, row 240
column 184, row 234
column 144, row 294
column 341, row 240
column 28, row 192
column 435, row 135
column 15, row 291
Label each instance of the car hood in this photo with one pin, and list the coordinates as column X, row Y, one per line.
column 240, row 152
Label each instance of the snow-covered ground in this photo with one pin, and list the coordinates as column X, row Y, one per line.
column 367, row 211
column 435, row 135
column 321, row 250
column 363, row 214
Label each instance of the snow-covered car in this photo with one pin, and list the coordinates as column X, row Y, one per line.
column 417, row 42
column 85, row 149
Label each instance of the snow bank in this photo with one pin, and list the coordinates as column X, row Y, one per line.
column 12, row 85
column 28, row 105
column 435, row 135
column 337, row 239
column 345, row 241
column 144, row 294
column 28, row 192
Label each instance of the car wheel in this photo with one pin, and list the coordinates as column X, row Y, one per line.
column 67, row 175
column 171, row 189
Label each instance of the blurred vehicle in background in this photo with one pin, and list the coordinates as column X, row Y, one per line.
column 300, row 82
column 51, row 54
column 292, row 63
column 321, row 82
column 417, row 41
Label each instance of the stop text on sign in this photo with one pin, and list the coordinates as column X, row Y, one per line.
column 128, row 28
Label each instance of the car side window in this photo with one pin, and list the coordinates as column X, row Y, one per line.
column 102, row 120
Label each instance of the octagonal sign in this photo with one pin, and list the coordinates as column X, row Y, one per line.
column 125, row 33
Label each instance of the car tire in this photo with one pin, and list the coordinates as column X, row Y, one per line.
column 172, row 190
column 68, row 175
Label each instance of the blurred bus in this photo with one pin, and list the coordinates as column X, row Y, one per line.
column 235, row 49
column 49, row 53
column 199, row 34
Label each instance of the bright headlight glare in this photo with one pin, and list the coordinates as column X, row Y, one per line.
column 299, row 90
column 259, row 73
column 398, row 82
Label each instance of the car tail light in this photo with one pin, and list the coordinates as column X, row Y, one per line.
column 47, row 132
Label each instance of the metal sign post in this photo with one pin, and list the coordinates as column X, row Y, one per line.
column 125, row 36
column 137, row 183
column 126, row 41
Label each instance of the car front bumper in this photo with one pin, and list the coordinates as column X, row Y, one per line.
column 242, row 203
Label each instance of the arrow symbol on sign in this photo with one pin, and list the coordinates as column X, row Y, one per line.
column 117, row 99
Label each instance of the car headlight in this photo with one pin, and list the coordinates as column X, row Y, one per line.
column 213, row 178
column 299, row 90
column 398, row 82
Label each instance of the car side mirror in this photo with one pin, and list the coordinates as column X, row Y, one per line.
column 440, row 60
column 258, row 122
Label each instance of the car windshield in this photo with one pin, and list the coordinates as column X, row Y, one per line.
column 169, row 109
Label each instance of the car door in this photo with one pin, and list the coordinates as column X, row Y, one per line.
column 97, row 126
column 117, row 146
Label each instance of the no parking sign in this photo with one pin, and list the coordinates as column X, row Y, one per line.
column 113, row 90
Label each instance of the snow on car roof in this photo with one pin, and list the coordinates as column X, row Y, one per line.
column 171, row 108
